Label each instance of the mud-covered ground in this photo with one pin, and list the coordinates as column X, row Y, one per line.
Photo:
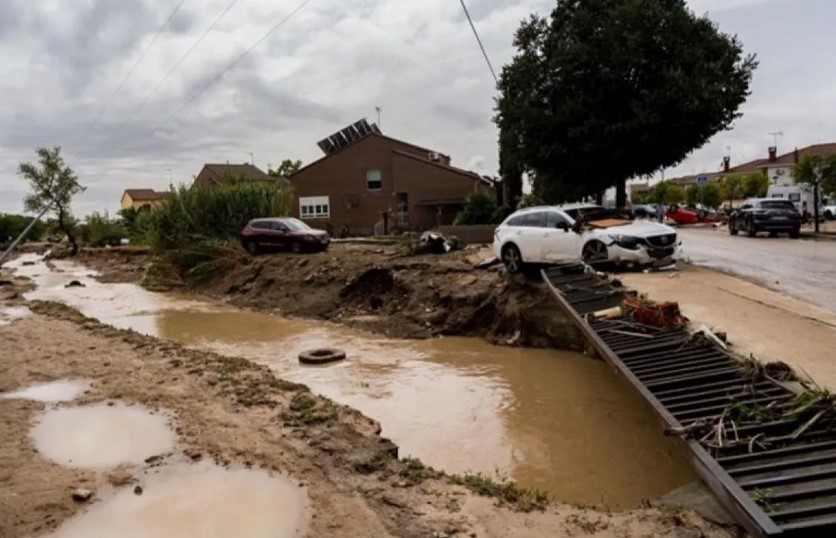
column 374, row 287
column 239, row 414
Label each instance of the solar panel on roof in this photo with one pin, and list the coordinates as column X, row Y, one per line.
column 347, row 136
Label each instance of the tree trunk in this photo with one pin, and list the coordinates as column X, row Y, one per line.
column 62, row 223
column 621, row 194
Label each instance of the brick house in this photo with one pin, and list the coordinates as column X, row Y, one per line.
column 377, row 183
column 215, row 174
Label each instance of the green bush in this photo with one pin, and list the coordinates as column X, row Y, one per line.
column 480, row 209
column 12, row 225
column 100, row 230
column 196, row 230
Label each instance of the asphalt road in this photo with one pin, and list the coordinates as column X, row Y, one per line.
column 804, row 269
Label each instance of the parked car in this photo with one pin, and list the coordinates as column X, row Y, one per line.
column 829, row 210
column 683, row 215
column 292, row 234
column 802, row 197
column 771, row 215
column 555, row 233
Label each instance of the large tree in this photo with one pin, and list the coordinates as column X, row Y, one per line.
column 605, row 90
column 52, row 186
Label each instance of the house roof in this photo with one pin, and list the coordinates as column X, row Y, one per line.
column 371, row 135
column 751, row 166
column 460, row 171
column 816, row 150
column 146, row 194
column 249, row 171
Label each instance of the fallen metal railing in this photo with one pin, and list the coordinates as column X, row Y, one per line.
column 776, row 477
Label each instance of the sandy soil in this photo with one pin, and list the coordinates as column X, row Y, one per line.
column 375, row 288
column 758, row 321
column 238, row 414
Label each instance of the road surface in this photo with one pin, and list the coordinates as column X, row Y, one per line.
column 804, row 269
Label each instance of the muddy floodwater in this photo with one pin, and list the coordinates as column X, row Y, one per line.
column 553, row 420
column 101, row 436
column 54, row 392
column 198, row 500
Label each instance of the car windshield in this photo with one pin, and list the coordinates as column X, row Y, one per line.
column 295, row 225
column 776, row 204
column 590, row 213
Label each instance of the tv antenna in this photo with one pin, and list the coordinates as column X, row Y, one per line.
column 775, row 135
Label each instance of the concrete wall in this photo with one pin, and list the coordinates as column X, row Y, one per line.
column 477, row 234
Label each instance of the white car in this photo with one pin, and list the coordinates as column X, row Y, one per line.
column 557, row 233
column 829, row 211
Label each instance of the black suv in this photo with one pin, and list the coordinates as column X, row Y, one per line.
column 766, row 215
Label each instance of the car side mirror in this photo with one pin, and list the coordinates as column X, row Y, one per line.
column 562, row 226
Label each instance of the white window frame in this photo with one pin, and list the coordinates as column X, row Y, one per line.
column 314, row 207
column 375, row 172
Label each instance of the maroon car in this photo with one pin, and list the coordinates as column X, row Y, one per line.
column 292, row 234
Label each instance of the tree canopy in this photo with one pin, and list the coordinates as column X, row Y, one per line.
column 52, row 186
column 286, row 168
column 605, row 90
column 811, row 167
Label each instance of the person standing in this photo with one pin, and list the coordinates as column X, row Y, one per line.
column 660, row 213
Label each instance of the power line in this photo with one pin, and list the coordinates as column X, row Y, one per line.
column 479, row 40
column 226, row 69
column 132, row 69
column 177, row 65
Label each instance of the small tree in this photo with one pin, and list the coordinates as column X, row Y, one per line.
column 755, row 185
column 285, row 169
column 813, row 168
column 692, row 195
column 733, row 187
column 480, row 209
column 712, row 195
column 52, row 184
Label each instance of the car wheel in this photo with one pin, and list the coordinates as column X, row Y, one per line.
column 795, row 233
column 595, row 252
column 252, row 247
column 512, row 259
column 773, row 234
column 732, row 228
column 296, row 248
column 828, row 215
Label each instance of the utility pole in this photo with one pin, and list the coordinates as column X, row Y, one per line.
column 816, row 197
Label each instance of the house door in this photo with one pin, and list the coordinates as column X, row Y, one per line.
column 402, row 208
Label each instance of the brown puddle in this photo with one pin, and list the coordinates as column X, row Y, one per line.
column 101, row 436
column 553, row 420
column 198, row 500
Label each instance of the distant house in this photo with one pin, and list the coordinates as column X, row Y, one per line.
column 217, row 174
column 370, row 183
column 143, row 199
column 779, row 169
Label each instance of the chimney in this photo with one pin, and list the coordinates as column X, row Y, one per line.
column 795, row 155
column 726, row 164
column 773, row 153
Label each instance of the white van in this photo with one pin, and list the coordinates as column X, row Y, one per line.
column 801, row 195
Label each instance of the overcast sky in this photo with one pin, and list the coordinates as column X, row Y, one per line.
column 63, row 62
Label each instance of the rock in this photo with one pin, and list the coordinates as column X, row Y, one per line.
column 82, row 495
column 27, row 263
column 138, row 490
column 75, row 284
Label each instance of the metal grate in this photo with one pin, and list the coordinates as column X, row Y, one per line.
column 787, row 488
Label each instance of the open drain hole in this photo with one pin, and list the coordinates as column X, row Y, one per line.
column 321, row 356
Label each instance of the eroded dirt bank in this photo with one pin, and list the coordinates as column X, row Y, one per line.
column 238, row 414
column 374, row 288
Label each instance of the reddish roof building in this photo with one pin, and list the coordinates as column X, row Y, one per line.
column 369, row 183
column 216, row 174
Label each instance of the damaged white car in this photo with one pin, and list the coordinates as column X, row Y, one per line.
column 581, row 231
